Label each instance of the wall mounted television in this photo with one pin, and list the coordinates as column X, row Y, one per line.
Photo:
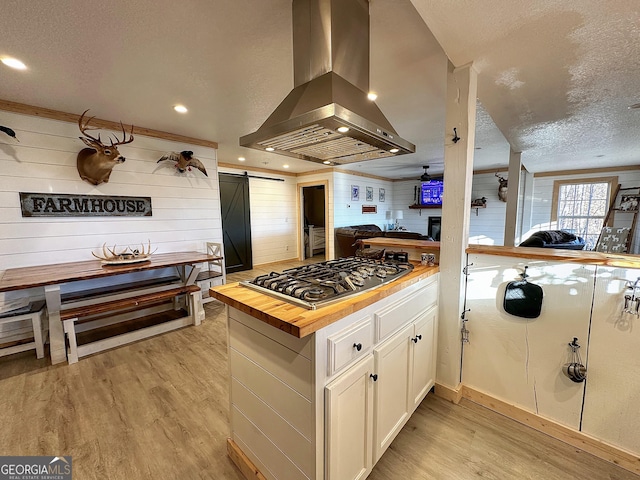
column 431, row 192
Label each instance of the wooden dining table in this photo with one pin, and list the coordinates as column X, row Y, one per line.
column 52, row 277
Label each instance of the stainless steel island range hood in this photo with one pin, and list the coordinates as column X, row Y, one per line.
column 327, row 117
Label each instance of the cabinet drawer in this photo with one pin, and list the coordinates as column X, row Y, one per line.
column 349, row 344
column 394, row 316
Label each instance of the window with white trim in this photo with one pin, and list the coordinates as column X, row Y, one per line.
column 582, row 206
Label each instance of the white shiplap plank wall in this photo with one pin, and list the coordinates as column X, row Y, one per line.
column 186, row 207
column 413, row 220
column 348, row 212
column 487, row 226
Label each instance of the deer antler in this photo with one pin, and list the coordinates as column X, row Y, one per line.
column 85, row 126
column 124, row 137
column 111, row 254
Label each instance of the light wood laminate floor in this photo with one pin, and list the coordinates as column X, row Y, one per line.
column 157, row 409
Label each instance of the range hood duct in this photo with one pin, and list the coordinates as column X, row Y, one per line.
column 331, row 81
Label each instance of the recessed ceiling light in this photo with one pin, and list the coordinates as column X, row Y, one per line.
column 241, row 159
column 327, row 162
column 372, row 96
column 635, row 106
column 343, row 129
column 394, row 150
column 285, row 166
column 180, row 109
column 13, row 63
column 269, row 149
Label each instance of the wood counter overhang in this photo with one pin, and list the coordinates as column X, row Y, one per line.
column 559, row 255
column 299, row 321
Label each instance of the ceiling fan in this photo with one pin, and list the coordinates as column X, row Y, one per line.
column 425, row 176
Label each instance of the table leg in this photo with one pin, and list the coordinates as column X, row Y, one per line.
column 57, row 348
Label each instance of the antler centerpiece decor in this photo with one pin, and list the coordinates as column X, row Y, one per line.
column 110, row 256
column 96, row 162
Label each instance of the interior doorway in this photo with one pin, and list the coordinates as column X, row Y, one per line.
column 236, row 222
column 313, row 221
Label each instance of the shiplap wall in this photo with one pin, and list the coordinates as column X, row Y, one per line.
column 273, row 216
column 543, row 195
column 348, row 212
column 186, row 207
column 486, row 225
column 413, row 220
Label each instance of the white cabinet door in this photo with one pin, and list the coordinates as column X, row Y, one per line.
column 391, row 391
column 349, row 423
column 423, row 368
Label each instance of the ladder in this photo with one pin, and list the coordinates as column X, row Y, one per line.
column 625, row 203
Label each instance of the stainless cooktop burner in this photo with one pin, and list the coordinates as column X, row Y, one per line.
column 319, row 284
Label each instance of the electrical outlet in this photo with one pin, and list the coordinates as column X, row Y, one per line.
column 286, row 248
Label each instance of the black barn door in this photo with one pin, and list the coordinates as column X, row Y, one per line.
column 236, row 222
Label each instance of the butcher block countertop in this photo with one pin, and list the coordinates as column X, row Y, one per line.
column 299, row 321
column 559, row 255
column 401, row 243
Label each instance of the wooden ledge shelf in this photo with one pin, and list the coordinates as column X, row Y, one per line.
column 422, row 207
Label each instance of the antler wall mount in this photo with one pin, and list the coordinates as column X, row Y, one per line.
column 502, row 188
column 96, row 162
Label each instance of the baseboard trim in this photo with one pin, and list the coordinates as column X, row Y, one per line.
column 246, row 466
column 580, row 440
column 448, row 393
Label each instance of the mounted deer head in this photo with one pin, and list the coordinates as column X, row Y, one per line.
column 96, row 162
column 502, row 188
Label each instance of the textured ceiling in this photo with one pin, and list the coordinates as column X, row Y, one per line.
column 554, row 78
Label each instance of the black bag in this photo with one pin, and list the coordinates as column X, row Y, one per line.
column 523, row 299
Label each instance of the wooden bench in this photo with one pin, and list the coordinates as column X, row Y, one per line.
column 102, row 332
column 32, row 313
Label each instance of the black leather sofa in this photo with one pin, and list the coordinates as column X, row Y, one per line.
column 554, row 239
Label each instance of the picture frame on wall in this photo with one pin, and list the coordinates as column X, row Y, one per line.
column 629, row 203
column 381, row 195
column 355, row 193
column 369, row 193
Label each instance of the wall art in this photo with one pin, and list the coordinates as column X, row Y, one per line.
column 355, row 193
column 369, row 194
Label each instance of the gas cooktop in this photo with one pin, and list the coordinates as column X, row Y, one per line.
column 319, row 284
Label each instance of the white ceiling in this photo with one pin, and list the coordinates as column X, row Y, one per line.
column 554, row 78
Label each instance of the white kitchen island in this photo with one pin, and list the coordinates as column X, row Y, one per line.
column 320, row 394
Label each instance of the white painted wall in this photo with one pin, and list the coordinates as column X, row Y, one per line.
column 613, row 390
column 186, row 207
column 519, row 360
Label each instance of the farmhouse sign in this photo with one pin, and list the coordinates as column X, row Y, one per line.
column 65, row 205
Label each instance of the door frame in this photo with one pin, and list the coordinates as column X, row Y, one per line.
column 328, row 224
